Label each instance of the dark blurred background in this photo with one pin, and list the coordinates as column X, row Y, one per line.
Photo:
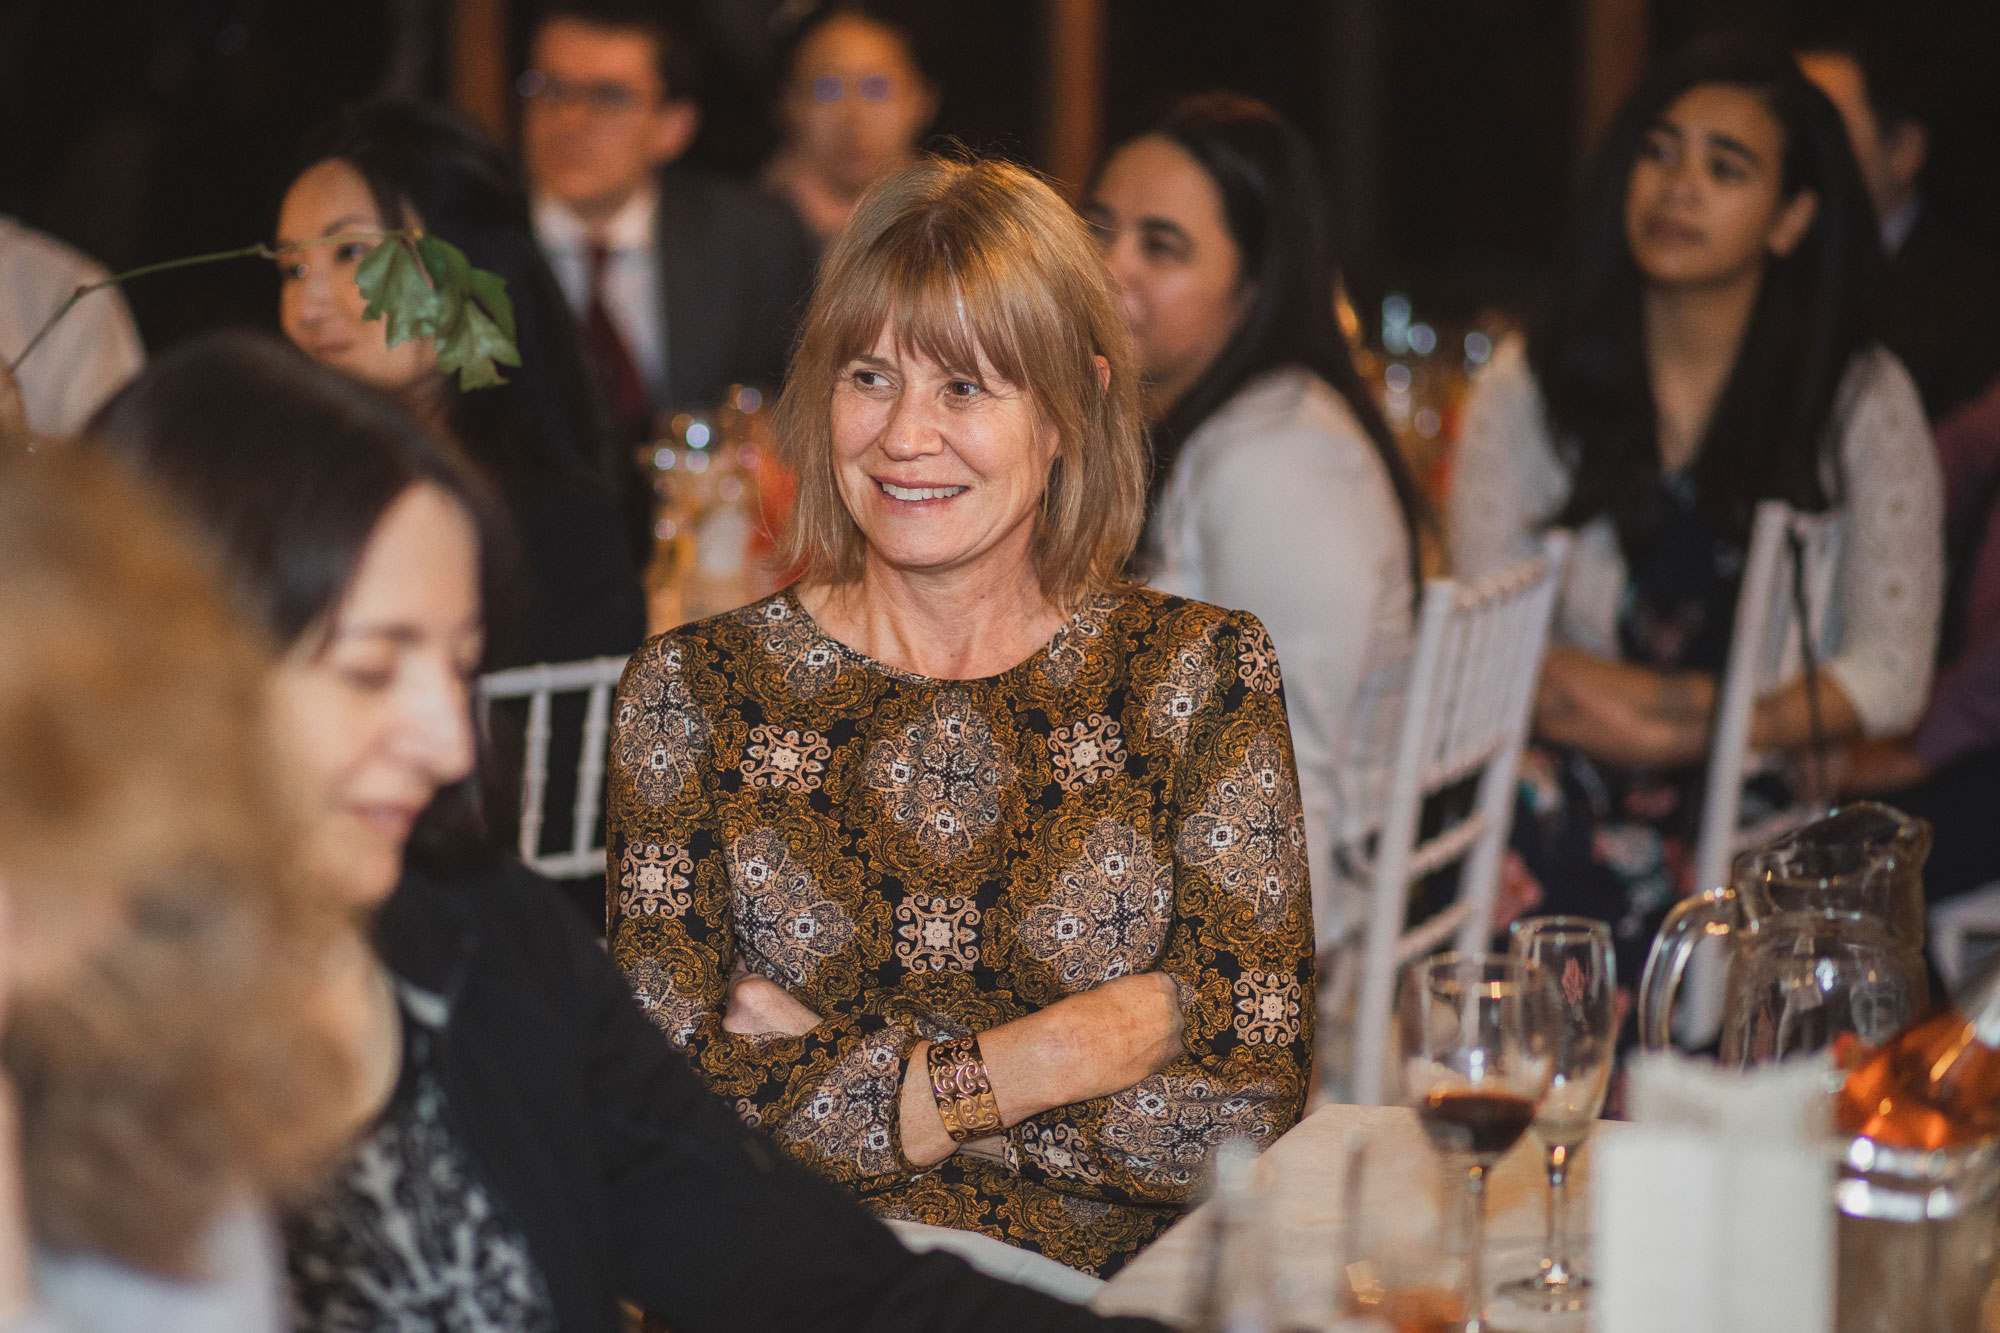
column 146, row 129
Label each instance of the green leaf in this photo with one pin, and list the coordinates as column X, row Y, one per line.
column 393, row 282
column 471, row 346
column 490, row 290
column 476, row 329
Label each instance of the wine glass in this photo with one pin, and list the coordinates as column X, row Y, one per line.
column 1474, row 1078
column 1397, row 1268
column 1572, row 1026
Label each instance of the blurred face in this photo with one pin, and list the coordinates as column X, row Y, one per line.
column 318, row 303
column 942, row 468
column 372, row 721
column 596, row 118
column 1704, row 204
column 856, row 104
column 1178, row 270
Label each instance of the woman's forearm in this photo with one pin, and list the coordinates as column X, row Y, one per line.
column 1785, row 720
column 1089, row 1045
column 1624, row 714
column 1642, row 718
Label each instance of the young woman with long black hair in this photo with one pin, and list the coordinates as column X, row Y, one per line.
column 542, row 437
column 1709, row 344
column 1277, row 487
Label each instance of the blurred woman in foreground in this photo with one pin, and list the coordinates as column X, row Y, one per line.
column 529, row 1151
column 161, row 1069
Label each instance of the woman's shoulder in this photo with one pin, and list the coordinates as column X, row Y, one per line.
column 1876, row 377
column 1279, row 409
column 671, row 650
column 441, row 927
column 1152, row 613
column 1878, row 412
column 1506, row 386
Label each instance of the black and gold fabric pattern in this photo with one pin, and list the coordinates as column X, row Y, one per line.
column 918, row 859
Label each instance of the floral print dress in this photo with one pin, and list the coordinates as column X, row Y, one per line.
column 916, row 859
column 1618, row 844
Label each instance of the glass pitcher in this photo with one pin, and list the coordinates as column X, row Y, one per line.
column 1826, row 933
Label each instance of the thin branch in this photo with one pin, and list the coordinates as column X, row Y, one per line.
column 258, row 251
column 244, row 252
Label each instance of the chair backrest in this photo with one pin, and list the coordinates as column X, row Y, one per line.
column 539, row 685
column 1472, row 689
column 1765, row 649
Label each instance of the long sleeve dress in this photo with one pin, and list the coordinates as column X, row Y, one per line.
column 918, row 859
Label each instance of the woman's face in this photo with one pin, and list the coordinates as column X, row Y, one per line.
column 319, row 304
column 943, row 468
column 857, row 103
column 1704, row 204
column 373, row 719
column 1179, row 273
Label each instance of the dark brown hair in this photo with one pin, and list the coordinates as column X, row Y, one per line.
column 286, row 468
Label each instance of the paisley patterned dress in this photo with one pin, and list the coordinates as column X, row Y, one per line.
column 916, row 859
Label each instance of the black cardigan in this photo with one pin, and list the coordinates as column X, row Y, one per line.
column 629, row 1180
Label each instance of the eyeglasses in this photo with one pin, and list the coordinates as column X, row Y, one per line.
column 869, row 87
column 602, row 99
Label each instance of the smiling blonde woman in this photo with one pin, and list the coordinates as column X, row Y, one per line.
column 971, row 873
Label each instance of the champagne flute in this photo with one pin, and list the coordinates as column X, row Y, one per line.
column 1571, row 1025
column 1474, row 1078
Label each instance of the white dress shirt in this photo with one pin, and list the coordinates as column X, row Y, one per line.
column 1278, row 505
column 632, row 282
column 88, row 356
column 1887, row 589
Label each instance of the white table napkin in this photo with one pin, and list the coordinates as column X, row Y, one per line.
column 1712, row 1210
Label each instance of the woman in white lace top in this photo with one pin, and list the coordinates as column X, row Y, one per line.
column 1277, row 487
column 1708, row 347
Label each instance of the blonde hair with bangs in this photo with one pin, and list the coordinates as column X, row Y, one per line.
column 959, row 259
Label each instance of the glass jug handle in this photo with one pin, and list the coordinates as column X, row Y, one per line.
column 1710, row 913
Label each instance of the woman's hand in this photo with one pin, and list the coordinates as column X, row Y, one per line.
column 1083, row 1046
column 760, row 1007
column 1886, row 764
column 1623, row 714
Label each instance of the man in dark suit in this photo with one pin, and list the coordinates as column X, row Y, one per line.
column 684, row 283
column 1941, row 314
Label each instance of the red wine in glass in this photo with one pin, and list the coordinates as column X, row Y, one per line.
column 1475, row 1122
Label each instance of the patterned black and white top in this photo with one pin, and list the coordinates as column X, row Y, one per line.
column 409, row 1237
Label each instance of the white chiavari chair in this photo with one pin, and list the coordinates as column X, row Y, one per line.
column 539, row 685
column 1471, row 694
column 1791, row 555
